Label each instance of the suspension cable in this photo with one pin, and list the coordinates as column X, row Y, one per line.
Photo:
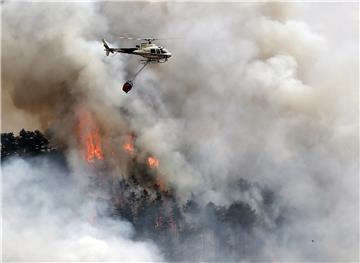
column 137, row 73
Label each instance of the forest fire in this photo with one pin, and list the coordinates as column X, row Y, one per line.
column 93, row 147
column 153, row 162
column 89, row 137
column 128, row 146
column 145, row 199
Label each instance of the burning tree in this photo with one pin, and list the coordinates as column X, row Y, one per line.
column 154, row 210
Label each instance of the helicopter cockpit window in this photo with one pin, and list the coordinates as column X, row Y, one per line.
column 163, row 50
column 158, row 51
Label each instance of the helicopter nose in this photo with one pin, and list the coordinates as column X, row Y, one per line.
column 168, row 55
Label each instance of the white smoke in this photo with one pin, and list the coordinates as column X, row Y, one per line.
column 252, row 91
column 47, row 217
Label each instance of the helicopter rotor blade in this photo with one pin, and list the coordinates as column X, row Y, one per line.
column 147, row 38
column 130, row 38
column 162, row 38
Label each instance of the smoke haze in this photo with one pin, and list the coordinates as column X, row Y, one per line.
column 258, row 91
column 54, row 221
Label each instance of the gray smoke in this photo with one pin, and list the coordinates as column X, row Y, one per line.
column 252, row 91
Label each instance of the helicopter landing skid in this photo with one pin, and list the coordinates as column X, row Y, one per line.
column 153, row 61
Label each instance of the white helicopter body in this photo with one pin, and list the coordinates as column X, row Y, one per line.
column 148, row 50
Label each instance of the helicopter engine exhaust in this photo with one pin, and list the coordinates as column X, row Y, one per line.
column 127, row 86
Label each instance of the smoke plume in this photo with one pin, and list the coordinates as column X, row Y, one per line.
column 254, row 91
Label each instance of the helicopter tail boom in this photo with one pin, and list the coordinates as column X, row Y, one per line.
column 109, row 50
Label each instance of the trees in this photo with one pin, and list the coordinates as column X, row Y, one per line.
column 27, row 143
column 185, row 231
column 241, row 214
column 9, row 145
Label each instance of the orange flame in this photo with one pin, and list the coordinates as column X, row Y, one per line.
column 89, row 137
column 128, row 146
column 153, row 162
column 93, row 148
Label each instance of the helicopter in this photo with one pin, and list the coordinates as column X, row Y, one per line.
column 148, row 50
column 151, row 52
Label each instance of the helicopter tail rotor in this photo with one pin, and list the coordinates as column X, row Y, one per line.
column 107, row 49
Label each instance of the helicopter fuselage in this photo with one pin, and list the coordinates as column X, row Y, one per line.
column 149, row 51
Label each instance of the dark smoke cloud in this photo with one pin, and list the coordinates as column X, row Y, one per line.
column 252, row 92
